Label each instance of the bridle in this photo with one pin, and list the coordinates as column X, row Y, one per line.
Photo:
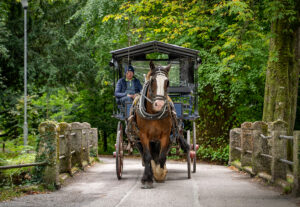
column 152, row 98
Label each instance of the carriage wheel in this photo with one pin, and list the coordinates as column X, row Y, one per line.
column 194, row 146
column 188, row 158
column 119, row 151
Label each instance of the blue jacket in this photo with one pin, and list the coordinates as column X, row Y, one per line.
column 121, row 87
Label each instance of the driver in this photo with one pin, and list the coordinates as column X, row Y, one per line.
column 127, row 87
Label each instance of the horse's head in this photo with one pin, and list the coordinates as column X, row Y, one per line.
column 159, row 82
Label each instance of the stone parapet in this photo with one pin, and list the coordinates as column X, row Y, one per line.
column 246, row 144
column 48, row 150
column 261, row 149
column 64, row 146
column 234, row 145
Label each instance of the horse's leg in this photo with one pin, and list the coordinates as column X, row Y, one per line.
column 140, row 148
column 155, row 150
column 164, row 148
column 160, row 170
column 147, row 177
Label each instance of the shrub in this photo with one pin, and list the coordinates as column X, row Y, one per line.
column 220, row 155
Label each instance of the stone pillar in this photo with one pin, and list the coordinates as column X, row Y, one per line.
column 278, row 169
column 296, row 166
column 65, row 147
column 94, row 150
column 235, row 141
column 77, row 157
column 85, row 141
column 260, row 163
column 246, row 144
column 48, row 150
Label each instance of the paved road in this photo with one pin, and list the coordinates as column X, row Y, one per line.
column 211, row 186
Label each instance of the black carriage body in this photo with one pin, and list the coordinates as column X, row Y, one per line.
column 183, row 93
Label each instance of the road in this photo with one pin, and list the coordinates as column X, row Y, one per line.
column 212, row 185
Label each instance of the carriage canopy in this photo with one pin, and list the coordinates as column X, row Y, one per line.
column 139, row 52
column 184, row 60
column 183, row 75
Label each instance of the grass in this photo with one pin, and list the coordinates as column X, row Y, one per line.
column 8, row 193
column 17, row 182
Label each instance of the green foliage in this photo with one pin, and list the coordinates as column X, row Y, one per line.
column 16, row 154
column 68, row 53
column 220, row 155
column 172, row 154
column 17, row 191
column 232, row 37
column 55, row 106
column 4, row 33
column 279, row 10
column 111, row 141
column 9, row 193
column 68, row 74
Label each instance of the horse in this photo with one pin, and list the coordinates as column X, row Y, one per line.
column 155, row 120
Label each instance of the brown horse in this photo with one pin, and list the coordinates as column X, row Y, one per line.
column 154, row 121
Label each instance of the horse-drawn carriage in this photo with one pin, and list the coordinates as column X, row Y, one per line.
column 178, row 83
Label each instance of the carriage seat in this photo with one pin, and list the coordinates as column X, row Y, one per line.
column 184, row 90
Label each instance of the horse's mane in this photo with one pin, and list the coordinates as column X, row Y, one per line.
column 148, row 75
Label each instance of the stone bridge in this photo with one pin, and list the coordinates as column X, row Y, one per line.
column 66, row 146
column 210, row 186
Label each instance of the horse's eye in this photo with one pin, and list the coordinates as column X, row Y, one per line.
column 167, row 83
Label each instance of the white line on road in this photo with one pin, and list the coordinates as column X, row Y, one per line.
column 129, row 192
column 196, row 194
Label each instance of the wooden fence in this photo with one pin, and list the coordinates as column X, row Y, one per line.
column 261, row 149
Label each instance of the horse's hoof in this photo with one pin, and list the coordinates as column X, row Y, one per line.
column 147, row 185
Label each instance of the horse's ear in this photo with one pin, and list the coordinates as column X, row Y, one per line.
column 168, row 67
column 152, row 66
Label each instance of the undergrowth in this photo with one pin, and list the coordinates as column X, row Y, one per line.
column 207, row 153
column 16, row 182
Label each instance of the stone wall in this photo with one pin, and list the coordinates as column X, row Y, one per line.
column 261, row 149
column 65, row 146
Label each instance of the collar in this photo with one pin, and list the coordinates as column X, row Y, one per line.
column 129, row 80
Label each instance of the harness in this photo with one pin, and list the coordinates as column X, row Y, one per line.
column 168, row 109
column 141, row 110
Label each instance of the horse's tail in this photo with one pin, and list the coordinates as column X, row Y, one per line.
column 183, row 144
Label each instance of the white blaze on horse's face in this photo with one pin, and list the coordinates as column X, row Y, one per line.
column 160, row 81
column 160, row 91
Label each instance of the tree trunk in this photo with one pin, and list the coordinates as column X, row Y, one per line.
column 296, row 77
column 282, row 78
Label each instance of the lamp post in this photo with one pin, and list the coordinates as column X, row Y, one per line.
column 25, row 129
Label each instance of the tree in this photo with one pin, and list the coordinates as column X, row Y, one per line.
column 231, row 38
column 282, row 77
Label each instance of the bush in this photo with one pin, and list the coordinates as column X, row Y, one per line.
column 16, row 153
column 220, row 155
column 16, row 176
column 111, row 141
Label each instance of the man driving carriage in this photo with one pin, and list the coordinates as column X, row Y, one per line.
column 127, row 87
